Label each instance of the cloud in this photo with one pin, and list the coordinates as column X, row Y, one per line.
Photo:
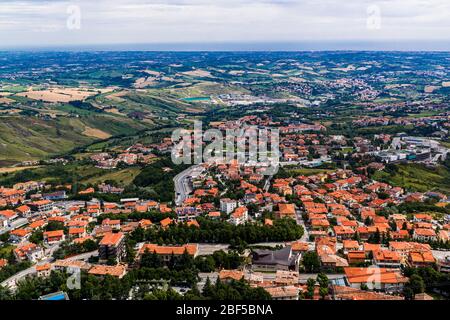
column 31, row 22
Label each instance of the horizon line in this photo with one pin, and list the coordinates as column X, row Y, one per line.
column 250, row 46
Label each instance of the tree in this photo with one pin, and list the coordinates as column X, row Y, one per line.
column 5, row 294
column 322, row 279
column 414, row 286
column 323, row 292
column 151, row 260
column 311, row 284
column 311, row 261
column 208, row 290
column 37, row 237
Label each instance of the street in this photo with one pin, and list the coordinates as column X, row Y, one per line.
column 182, row 183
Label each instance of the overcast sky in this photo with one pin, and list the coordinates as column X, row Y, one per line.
column 56, row 23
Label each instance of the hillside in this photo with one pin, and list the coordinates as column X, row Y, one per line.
column 30, row 138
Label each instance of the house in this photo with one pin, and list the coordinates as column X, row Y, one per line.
column 378, row 279
column 272, row 260
column 77, row 233
column 214, row 215
column 166, row 222
column 421, row 259
column 229, row 275
column 115, row 271
column 286, row 210
column 58, row 195
column 284, row 277
column 19, row 235
column 185, row 214
column 29, row 251
column 283, row 292
column 55, row 236
column 424, row 234
column 387, row 259
column 356, row 257
column 3, row 263
column 342, row 232
column 239, row 216
column 71, row 266
column 349, row 293
column 166, row 252
column 41, row 206
column 350, row 245
column 299, row 247
column 24, row 211
column 43, row 270
column 38, row 224
column 8, row 215
column 114, row 224
column 112, row 247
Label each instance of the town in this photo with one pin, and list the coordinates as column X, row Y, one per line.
column 327, row 225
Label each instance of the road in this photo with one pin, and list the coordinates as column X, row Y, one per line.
column 12, row 281
column 182, row 183
column 440, row 254
column 15, row 224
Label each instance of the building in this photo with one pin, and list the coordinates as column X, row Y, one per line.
column 230, row 275
column 58, row 195
column 41, row 206
column 166, row 252
column 378, row 279
column 101, row 270
column 8, row 215
column 227, row 205
column 43, row 270
column 51, row 237
column 29, row 251
column 387, row 259
column 284, row 277
column 283, row 292
column 239, row 216
column 421, row 259
column 286, row 210
column 423, row 234
column 112, row 247
column 273, row 260
column 444, row 264
column 71, row 267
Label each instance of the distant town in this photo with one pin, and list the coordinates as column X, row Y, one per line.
column 92, row 205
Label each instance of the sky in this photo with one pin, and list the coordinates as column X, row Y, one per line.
column 236, row 24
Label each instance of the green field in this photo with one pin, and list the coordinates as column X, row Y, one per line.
column 71, row 173
column 124, row 177
column 416, row 177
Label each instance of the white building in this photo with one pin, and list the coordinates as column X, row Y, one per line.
column 227, row 205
